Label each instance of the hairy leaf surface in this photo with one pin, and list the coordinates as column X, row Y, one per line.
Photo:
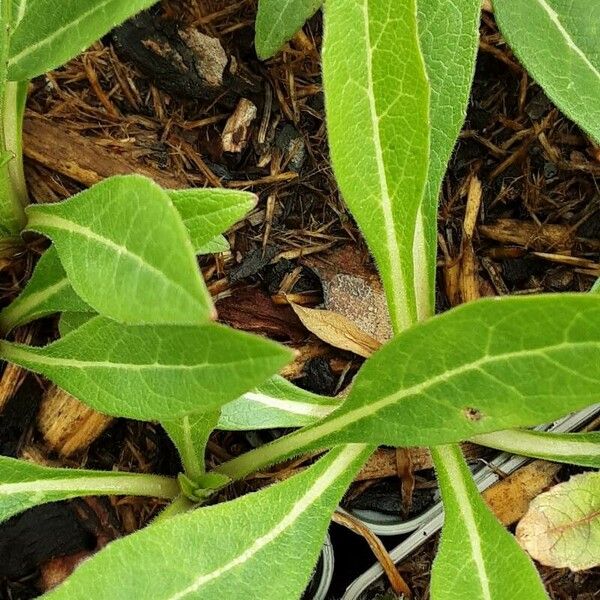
column 24, row 484
column 477, row 558
column 127, row 253
column 48, row 33
column 377, row 100
column 526, row 361
column 278, row 21
column 47, row 292
column 523, row 361
column 209, row 212
column 449, row 36
column 190, row 435
column 227, row 551
column 152, row 372
column 214, row 246
column 562, row 526
column 558, row 42
column 275, row 403
column 18, row 10
column 72, row 320
column 572, row 448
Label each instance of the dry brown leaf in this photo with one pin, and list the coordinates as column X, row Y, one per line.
column 562, row 526
column 337, row 330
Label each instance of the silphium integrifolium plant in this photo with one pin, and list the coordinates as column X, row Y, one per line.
column 397, row 77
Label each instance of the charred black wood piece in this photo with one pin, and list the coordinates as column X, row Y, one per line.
column 39, row 534
column 180, row 60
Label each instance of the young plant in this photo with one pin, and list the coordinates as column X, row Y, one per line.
column 397, row 81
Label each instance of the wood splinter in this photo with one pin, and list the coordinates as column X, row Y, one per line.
column 237, row 129
column 67, row 425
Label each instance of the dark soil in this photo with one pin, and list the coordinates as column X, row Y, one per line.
column 117, row 109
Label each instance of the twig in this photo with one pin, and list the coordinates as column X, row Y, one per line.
column 396, row 582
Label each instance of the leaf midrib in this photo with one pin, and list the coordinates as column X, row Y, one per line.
column 22, row 7
column 292, row 406
column 34, row 300
column 339, row 423
column 400, row 311
column 446, row 455
column 587, row 520
column 14, row 352
column 337, row 468
column 555, row 18
column 37, row 219
column 78, row 484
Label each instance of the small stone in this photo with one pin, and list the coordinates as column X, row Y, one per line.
column 290, row 141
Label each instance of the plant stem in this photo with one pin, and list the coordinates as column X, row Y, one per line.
column 13, row 192
column 309, row 438
column 180, row 505
column 95, row 484
column 16, row 98
column 190, row 460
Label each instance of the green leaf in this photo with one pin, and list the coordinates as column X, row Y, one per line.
column 24, row 484
column 573, row 448
column 204, row 213
column 449, row 36
column 190, row 435
column 209, row 212
column 525, row 361
column 47, row 292
column 72, row 320
column 214, row 246
column 484, row 366
column 231, row 550
column 18, row 11
column 5, row 158
column 51, row 32
column 127, row 253
column 558, row 42
column 561, row 529
column 477, row 558
column 377, row 100
column 152, row 372
column 275, row 403
column 278, row 21
column 531, row 360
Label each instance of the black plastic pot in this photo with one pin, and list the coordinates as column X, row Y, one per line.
column 321, row 579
